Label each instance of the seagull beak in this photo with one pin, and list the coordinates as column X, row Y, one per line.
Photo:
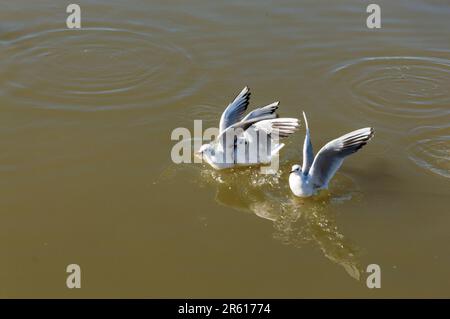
column 291, row 172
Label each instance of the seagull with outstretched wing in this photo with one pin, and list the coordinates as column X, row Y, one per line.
column 317, row 171
column 247, row 140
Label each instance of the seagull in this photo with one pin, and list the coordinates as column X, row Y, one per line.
column 247, row 140
column 317, row 171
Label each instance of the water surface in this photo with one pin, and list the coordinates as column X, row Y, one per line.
column 86, row 174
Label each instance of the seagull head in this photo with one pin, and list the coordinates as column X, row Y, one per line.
column 297, row 169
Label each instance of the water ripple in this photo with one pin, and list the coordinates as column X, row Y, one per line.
column 398, row 85
column 95, row 69
column 431, row 149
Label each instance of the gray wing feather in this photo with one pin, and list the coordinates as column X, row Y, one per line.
column 268, row 112
column 233, row 130
column 308, row 153
column 331, row 156
column 282, row 126
column 235, row 110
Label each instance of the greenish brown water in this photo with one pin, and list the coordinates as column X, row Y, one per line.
column 86, row 175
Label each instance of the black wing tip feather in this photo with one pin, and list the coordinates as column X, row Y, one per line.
column 371, row 132
column 244, row 100
column 356, row 142
column 247, row 89
column 245, row 94
column 274, row 107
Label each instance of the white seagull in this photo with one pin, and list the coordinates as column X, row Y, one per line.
column 247, row 140
column 317, row 171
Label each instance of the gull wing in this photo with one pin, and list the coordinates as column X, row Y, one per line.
column 226, row 138
column 284, row 126
column 308, row 153
column 235, row 110
column 331, row 156
column 267, row 112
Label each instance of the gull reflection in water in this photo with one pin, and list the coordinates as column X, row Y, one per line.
column 297, row 222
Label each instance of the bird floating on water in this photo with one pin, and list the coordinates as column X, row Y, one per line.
column 247, row 140
column 316, row 172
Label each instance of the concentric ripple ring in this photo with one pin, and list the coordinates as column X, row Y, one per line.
column 121, row 69
column 416, row 87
